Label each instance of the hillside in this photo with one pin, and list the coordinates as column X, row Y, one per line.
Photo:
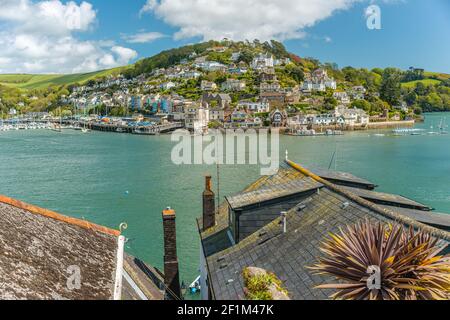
column 42, row 81
column 186, row 69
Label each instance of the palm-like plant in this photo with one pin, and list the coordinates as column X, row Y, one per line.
column 406, row 263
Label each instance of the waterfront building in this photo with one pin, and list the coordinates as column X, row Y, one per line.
column 352, row 116
column 279, row 222
column 196, row 117
column 278, row 118
column 48, row 256
column 136, row 103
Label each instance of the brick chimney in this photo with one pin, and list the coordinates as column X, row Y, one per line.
column 171, row 272
column 209, row 208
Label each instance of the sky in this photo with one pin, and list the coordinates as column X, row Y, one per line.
column 56, row 36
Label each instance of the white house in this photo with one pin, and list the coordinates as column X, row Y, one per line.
column 352, row 116
column 263, row 61
column 342, row 97
column 168, row 85
column 324, row 119
column 256, row 107
column 196, row 118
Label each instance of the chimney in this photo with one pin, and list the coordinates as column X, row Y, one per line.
column 171, row 272
column 209, row 208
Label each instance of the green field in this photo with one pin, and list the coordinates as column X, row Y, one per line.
column 426, row 82
column 28, row 81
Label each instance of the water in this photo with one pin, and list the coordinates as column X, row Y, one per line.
column 111, row 178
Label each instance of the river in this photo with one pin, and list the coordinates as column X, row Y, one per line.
column 111, row 178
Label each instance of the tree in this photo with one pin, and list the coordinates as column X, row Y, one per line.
column 362, row 104
column 390, row 90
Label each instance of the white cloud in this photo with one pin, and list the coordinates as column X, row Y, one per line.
column 41, row 37
column 143, row 37
column 124, row 54
column 243, row 19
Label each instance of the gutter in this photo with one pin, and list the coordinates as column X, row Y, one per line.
column 382, row 211
column 119, row 269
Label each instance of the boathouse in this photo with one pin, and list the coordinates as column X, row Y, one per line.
column 278, row 223
column 47, row 256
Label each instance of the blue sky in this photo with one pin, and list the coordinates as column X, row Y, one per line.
column 56, row 36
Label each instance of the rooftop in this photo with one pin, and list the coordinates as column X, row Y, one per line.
column 40, row 249
column 289, row 254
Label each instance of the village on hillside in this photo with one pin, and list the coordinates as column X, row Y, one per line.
column 230, row 86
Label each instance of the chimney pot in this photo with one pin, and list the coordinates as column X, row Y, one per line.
column 171, row 271
column 209, row 207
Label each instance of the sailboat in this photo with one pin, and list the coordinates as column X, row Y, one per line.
column 443, row 127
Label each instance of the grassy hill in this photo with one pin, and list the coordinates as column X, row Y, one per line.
column 29, row 81
column 426, row 82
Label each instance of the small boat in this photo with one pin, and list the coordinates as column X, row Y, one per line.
column 85, row 130
column 195, row 287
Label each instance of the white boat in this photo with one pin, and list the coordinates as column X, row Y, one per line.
column 195, row 287
column 85, row 130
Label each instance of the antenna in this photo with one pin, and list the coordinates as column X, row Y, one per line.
column 333, row 159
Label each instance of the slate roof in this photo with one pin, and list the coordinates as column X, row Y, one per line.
column 38, row 248
column 288, row 254
column 341, row 178
column 272, row 191
column 388, row 199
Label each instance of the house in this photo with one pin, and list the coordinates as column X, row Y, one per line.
column 239, row 115
column 235, row 56
column 352, row 116
column 275, row 98
column 278, row 118
column 255, row 107
column 341, row 97
column 208, row 85
column 168, row 85
column 279, row 223
column 136, row 103
column 282, row 61
column 273, row 86
column 233, row 85
column 222, row 100
column 324, row 119
column 358, row 92
column 267, row 74
column 402, row 107
column 263, row 61
column 211, row 66
column 49, row 256
column 318, row 81
column 196, row 118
